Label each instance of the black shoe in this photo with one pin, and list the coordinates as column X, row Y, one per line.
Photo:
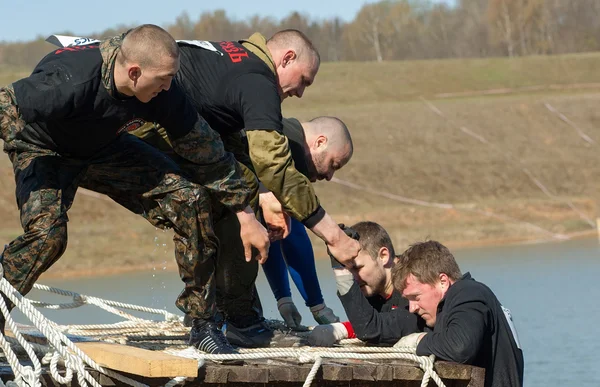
column 188, row 321
column 207, row 337
column 256, row 334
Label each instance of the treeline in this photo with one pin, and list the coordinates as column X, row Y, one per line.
column 397, row 30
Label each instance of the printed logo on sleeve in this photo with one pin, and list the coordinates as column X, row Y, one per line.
column 236, row 54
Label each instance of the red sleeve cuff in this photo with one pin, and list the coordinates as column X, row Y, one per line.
column 348, row 326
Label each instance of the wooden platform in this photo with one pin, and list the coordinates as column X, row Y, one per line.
column 279, row 373
column 156, row 368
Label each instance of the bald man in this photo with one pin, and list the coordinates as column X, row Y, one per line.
column 320, row 147
column 239, row 85
column 66, row 126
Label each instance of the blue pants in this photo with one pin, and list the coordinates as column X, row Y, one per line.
column 296, row 254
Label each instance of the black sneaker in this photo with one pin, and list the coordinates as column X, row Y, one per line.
column 255, row 335
column 188, row 321
column 207, row 337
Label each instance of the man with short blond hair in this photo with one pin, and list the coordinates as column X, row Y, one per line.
column 470, row 326
column 286, row 47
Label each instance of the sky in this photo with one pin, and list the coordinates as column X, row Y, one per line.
column 24, row 20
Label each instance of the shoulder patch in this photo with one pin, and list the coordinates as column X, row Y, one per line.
column 131, row 125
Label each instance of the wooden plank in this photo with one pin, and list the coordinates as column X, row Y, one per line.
column 133, row 360
column 295, row 373
column 477, row 377
column 407, row 372
column 384, row 373
column 336, row 372
column 139, row 361
column 213, row 374
column 248, row 374
column 364, row 372
column 455, row 371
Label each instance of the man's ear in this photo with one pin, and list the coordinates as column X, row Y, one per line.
column 444, row 281
column 134, row 73
column 321, row 141
column 384, row 256
column 288, row 57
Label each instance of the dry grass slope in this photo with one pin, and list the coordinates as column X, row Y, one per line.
column 479, row 153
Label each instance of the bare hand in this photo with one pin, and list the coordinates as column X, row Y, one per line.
column 279, row 223
column 253, row 234
column 345, row 250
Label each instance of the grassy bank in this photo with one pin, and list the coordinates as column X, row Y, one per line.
column 477, row 142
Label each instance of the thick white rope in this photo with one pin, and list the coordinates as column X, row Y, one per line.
column 313, row 372
column 82, row 299
column 22, row 373
column 74, row 359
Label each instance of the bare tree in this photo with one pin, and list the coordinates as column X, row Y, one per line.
column 183, row 28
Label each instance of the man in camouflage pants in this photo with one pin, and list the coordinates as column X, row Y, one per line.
column 239, row 86
column 66, row 126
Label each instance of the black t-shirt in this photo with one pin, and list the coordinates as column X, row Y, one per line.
column 232, row 88
column 67, row 108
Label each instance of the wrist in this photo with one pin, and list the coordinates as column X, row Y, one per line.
column 284, row 300
column 269, row 200
column 246, row 215
column 349, row 330
column 339, row 331
column 341, row 271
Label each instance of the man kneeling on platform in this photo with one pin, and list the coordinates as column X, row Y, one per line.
column 470, row 326
column 377, row 313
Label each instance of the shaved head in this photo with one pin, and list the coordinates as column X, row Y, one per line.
column 334, row 129
column 146, row 63
column 296, row 40
column 296, row 62
column 148, row 45
column 328, row 144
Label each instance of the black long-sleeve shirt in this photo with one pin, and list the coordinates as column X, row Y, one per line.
column 69, row 104
column 379, row 320
column 472, row 327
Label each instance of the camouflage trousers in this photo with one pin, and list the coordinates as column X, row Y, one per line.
column 236, row 296
column 134, row 174
column 235, row 291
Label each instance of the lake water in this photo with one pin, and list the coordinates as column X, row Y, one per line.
column 552, row 289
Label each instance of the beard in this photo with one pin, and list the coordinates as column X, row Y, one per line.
column 319, row 166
